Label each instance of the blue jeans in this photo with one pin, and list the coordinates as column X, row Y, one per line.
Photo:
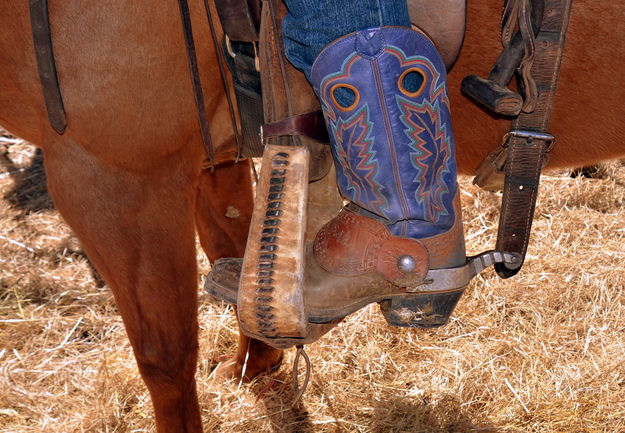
column 310, row 25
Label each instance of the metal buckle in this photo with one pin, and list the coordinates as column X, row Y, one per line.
column 233, row 54
column 256, row 57
column 549, row 139
column 229, row 47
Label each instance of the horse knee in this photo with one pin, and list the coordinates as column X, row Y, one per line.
column 167, row 362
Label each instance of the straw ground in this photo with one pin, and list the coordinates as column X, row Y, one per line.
column 542, row 352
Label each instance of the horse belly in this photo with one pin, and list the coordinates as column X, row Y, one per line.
column 21, row 102
column 123, row 76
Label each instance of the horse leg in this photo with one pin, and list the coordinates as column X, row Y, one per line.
column 137, row 228
column 225, row 203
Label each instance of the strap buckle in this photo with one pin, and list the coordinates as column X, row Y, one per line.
column 232, row 52
column 229, row 47
column 530, row 136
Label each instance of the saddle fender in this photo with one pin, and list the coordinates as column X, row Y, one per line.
column 444, row 21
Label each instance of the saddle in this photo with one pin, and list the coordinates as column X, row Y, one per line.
column 443, row 20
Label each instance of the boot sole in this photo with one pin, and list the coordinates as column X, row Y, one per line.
column 418, row 310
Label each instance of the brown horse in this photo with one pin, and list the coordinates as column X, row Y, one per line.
column 127, row 174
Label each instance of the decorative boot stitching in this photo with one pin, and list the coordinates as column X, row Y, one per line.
column 394, row 150
column 391, row 146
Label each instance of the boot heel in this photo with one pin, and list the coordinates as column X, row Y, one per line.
column 422, row 310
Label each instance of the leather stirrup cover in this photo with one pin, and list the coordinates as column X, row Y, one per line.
column 270, row 300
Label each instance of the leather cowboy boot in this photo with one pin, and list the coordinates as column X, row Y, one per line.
column 384, row 97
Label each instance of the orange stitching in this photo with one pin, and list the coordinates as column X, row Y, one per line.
column 401, row 82
column 350, row 87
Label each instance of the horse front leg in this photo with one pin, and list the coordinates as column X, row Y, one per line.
column 138, row 230
column 223, row 214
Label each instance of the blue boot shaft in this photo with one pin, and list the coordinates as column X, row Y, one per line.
column 384, row 97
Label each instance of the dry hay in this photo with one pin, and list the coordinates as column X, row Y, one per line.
column 542, row 352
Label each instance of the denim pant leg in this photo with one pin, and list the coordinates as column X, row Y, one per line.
column 310, row 25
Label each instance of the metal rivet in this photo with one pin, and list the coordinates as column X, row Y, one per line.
column 406, row 263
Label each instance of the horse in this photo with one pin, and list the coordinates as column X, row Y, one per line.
column 127, row 174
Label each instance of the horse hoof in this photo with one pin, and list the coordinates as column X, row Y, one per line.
column 234, row 369
column 227, row 371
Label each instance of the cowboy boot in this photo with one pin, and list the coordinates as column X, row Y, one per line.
column 384, row 98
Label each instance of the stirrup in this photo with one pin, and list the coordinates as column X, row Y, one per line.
column 270, row 297
column 427, row 305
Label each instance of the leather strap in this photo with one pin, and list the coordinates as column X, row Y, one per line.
column 351, row 244
column 527, row 142
column 240, row 19
column 224, row 81
column 195, row 79
column 311, row 125
column 45, row 64
column 242, row 59
column 525, row 157
column 286, row 92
